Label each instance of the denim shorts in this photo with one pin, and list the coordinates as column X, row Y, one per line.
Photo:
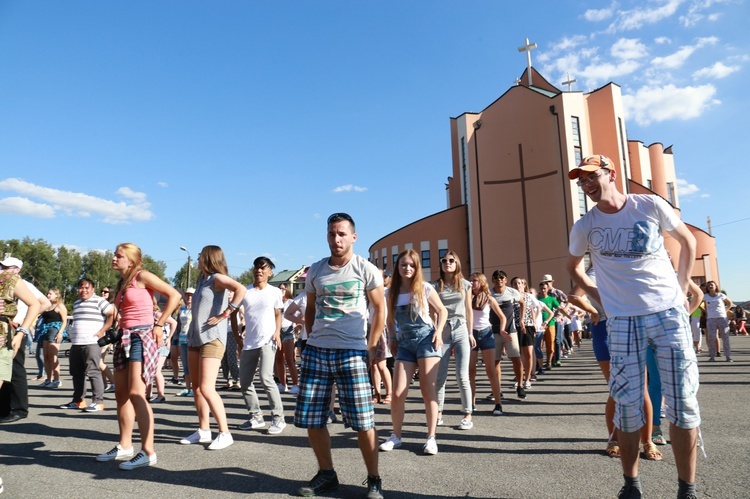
column 136, row 348
column 287, row 334
column 600, row 341
column 412, row 349
column 485, row 339
column 49, row 334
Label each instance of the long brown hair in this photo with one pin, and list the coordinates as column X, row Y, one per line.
column 458, row 276
column 213, row 261
column 416, row 288
column 479, row 300
column 135, row 255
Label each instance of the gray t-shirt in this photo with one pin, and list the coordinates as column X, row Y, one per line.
column 340, row 303
column 207, row 303
column 455, row 302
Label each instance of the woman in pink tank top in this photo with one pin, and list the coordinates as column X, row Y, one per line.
column 135, row 355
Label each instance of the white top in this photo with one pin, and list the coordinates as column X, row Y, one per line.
column 481, row 318
column 715, row 308
column 634, row 274
column 260, row 315
column 424, row 309
column 22, row 308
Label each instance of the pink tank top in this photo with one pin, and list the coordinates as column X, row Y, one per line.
column 136, row 305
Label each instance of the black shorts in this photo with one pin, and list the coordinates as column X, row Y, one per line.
column 528, row 337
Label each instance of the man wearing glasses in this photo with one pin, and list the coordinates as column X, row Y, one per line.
column 338, row 349
column 644, row 301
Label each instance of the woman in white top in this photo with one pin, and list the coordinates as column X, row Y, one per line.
column 481, row 304
column 409, row 301
column 716, row 304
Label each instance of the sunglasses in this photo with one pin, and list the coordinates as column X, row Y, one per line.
column 448, row 260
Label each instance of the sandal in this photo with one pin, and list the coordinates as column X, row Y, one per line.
column 386, row 399
column 657, row 438
column 650, row 452
column 613, row 449
column 377, row 398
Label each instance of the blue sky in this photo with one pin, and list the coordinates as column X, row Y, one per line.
column 244, row 124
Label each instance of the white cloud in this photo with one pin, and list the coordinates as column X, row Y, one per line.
column 597, row 15
column 349, row 188
column 24, row 206
column 668, row 102
column 628, row 48
column 603, row 72
column 678, row 58
column 662, row 40
column 79, row 204
column 717, row 71
column 695, row 12
column 685, row 188
column 636, row 18
column 162, row 184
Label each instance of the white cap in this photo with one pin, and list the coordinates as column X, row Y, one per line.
column 12, row 262
column 547, row 278
column 190, row 291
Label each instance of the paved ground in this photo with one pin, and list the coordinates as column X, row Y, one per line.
column 549, row 445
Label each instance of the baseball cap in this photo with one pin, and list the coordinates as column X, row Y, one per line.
column 590, row 164
column 190, row 291
column 12, row 262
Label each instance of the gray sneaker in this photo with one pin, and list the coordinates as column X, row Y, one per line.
column 276, row 427
column 253, row 423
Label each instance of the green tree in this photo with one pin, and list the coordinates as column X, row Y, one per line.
column 246, row 278
column 97, row 266
column 68, row 272
column 180, row 277
column 156, row 267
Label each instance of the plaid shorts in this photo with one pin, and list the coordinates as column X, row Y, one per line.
column 320, row 368
column 668, row 333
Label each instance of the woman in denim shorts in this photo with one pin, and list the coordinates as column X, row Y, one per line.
column 481, row 303
column 410, row 300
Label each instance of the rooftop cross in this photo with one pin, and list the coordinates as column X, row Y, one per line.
column 528, row 48
column 570, row 81
column 517, row 81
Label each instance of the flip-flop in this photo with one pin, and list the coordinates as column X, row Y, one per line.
column 658, row 438
column 651, row 452
column 613, row 449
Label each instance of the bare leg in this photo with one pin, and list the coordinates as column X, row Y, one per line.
column 320, row 441
column 428, row 368
column 209, row 370
column 290, row 361
column 402, row 374
column 174, row 355
column 368, row 446
column 488, row 356
column 125, row 412
column 629, row 452
column 143, row 413
column 685, row 446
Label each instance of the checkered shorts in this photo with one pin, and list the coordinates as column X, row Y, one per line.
column 668, row 333
column 320, row 368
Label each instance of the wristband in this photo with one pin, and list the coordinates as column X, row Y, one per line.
column 233, row 305
column 159, row 325
column 21, row 329
column 225, row 314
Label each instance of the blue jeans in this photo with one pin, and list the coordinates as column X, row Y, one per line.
column 654, row 385
column 458, row 341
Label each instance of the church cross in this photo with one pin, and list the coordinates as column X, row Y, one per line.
column 570, row 81
column 528, row 48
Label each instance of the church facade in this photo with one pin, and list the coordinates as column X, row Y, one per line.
column 510, row 204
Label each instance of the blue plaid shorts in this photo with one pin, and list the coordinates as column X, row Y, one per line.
column 668, row 334
column 348, row 368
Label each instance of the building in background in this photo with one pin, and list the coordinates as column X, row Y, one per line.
column 510, row 204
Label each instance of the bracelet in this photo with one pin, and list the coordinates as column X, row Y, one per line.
column 21, row 329
column 159, row 325
column 225, row 314
column 233, row 305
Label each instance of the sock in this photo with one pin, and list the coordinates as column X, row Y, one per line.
column 633, row 482
column 685, row 488
column 328, row 472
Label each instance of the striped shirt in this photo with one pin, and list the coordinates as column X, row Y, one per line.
column 88, row 318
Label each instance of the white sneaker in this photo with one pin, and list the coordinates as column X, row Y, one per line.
column 466, row 424
column 294, row 390
column 139, row 461
column 222, row 441
column 440, row 421
column 430, row 447
column 55, row 384
column 527, row 385
column 282, row 388
column 393, row 442
column 199, row 437
column 276, row 427
column 116, row 454
column 45, row 383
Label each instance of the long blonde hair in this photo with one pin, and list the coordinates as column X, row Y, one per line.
column 417, row 285
column 480, row 299
column 134, row 254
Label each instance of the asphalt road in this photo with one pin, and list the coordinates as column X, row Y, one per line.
column 549, row 445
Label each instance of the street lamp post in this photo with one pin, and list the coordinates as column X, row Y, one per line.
column 187, row 284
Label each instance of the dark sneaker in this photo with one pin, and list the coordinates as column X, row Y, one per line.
column 521, row 392
column 629, row 492
column 374, row 488
column 498, row 410
column 320, row 484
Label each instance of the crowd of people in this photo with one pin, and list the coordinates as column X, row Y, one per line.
column 363, row 335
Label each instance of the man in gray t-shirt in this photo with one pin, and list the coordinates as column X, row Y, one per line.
column 338, row 288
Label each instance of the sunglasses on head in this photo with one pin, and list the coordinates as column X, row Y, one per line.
column 337, row 217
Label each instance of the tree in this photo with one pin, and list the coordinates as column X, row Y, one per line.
column 180, row 277
column 68, row 272
column 246, row 278
column 156, row 267
column 97, row 266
